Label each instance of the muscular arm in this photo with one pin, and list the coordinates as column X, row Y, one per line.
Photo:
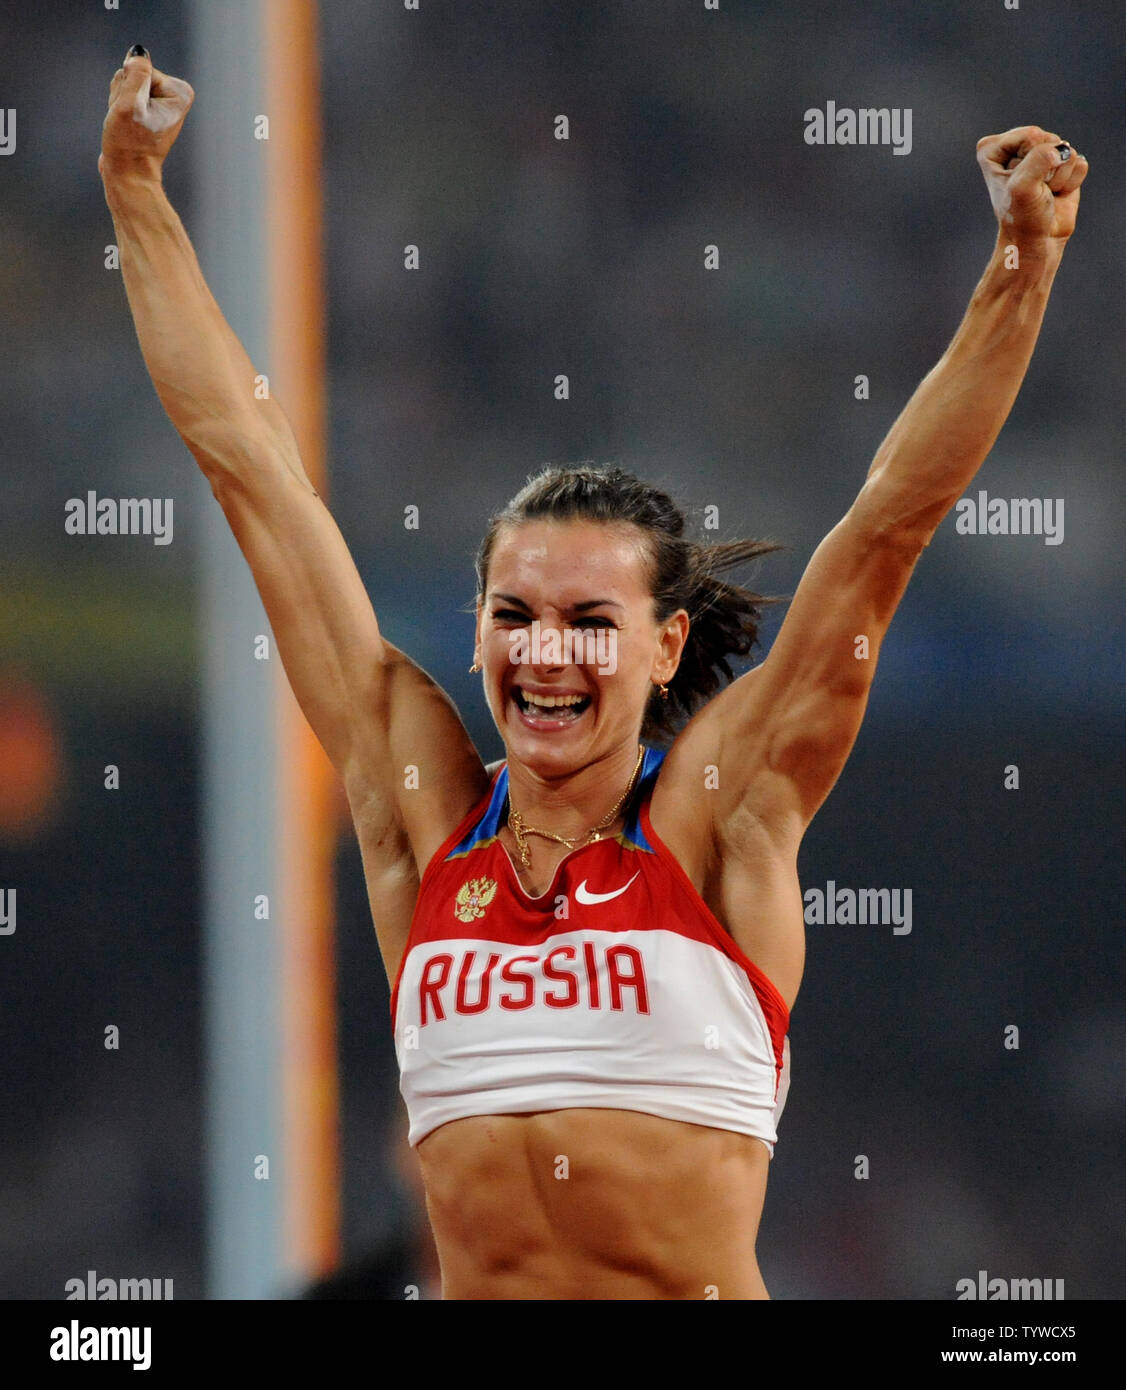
column 202, row 375
column 372, row 709
column 786, row 729
column 951, row 422
column 201, row 372
column 320, row 613
column 941, row 439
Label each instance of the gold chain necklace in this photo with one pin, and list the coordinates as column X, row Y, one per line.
column 521, row 831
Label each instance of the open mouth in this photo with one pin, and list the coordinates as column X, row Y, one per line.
column 549, row 711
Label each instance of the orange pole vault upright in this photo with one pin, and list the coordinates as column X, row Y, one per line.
column 307, row 781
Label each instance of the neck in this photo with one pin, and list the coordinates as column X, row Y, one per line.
column 572, row 802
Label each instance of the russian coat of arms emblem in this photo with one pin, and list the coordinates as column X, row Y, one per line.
column 473, row 897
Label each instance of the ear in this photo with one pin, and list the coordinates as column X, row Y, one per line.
column 671, row 639
column 477, row 630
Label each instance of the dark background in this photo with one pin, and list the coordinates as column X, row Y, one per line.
column 733, row 387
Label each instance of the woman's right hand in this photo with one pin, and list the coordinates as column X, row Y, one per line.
column 146, row 110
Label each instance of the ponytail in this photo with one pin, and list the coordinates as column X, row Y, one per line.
column 724, row 622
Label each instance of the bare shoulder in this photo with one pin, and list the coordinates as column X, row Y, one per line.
column 717, row 809
column 413, row 777
column 419, row 768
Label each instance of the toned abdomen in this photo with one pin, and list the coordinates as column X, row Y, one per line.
column 589, row 1203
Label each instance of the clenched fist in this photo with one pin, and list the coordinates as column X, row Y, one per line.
column 146, row 110
column 1033, row 179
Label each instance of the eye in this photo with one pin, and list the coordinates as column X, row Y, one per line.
column 509, row 615
column 593, row 622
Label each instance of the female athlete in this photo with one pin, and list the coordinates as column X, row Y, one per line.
column 594, row 946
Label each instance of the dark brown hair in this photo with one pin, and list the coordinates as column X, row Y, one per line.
column 724, row 617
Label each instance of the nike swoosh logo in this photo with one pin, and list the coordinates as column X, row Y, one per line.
column 583, row 894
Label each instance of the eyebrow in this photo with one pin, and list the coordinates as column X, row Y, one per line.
column 574, row 607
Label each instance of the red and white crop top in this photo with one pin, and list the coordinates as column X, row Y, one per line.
column 617, row 988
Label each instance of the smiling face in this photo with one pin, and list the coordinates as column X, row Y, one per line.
column 570, row 601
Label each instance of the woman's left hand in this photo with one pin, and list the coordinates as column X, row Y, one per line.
column 1034, row 186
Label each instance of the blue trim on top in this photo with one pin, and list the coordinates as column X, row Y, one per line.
column 489, row 824
column 650, row 766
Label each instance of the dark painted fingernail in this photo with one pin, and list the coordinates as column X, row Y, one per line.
column 1065, row 151
column 138, row 51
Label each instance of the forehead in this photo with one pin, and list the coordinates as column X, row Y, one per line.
column 568, row 560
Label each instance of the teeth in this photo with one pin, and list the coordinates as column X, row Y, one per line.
column 551, row 701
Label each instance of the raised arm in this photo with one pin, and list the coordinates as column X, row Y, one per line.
column 787, row 727
column 372, row 709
